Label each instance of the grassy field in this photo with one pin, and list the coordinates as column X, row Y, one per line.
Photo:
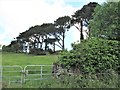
column 75, row 81
column 25, row 59
column 11, row 59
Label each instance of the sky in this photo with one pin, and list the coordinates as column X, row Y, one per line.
column 17, row 16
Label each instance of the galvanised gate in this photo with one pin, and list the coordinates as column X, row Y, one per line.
column 19, row 74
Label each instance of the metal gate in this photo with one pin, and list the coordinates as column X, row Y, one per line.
column 18, row 74
column 0, row 77
column 37, row 72
column 12, row 74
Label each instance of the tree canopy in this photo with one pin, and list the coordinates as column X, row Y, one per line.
column 47, row 33
column 41, row 36
column 105, row 22
column 84, row 14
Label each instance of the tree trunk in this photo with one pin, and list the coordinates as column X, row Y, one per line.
column 54, row 47
column 37, row 45
column 81, row 30
column 46, row 44
column 63, row 41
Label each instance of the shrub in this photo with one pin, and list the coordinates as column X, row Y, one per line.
column 92, row 56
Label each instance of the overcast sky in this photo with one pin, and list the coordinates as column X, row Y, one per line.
column 17, row 16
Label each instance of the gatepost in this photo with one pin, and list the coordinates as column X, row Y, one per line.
column 0, row 66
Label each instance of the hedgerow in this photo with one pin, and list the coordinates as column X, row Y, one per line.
column 94, row 55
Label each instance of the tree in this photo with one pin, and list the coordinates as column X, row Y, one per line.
column 105, row 21
column 62, row 23
column 83, row 15
column 14, row 46
column 47, row 33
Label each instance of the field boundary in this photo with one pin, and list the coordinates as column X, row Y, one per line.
column 10, row 69
column 26, row 72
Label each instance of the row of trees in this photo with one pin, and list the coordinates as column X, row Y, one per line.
column 39, row 36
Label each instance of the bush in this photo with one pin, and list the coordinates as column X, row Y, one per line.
column 109, row 80
column 95, row 55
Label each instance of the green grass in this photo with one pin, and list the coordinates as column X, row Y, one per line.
column 26, row 59
column 11, row 59
column 0, row 58
column 79, row 81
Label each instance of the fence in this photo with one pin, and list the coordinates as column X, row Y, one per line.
column 37, row 72
column 18, row 74
column 0, row 78
column 11, row 73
